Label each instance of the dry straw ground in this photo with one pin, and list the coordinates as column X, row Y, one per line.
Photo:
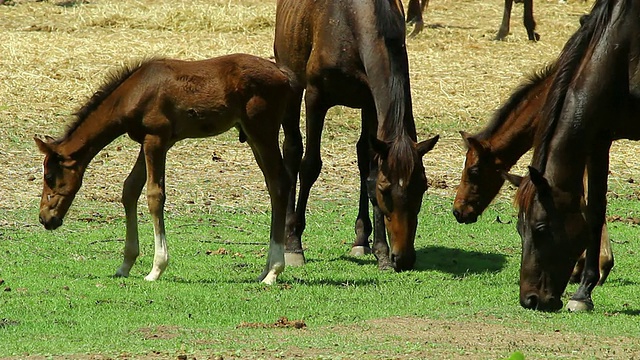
column 54, row 54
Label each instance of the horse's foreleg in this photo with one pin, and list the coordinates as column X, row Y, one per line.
column 267, row 154
column 598, row 169
column 292, row 149
column 380, row 245
column 506, row 18
column 155, row 152
column 529, row 22
column 310, row 166
column 363, row 226
column 130, row 194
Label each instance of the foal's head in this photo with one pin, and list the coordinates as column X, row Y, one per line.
column 481, row 180
column 398, row 193
column 554, row 234
column 62, row 180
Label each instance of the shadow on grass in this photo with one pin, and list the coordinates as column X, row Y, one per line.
column 453, row 261
column 458, row 262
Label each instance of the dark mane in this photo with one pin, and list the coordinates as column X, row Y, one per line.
column 113, row 80
column 525, row 195
column 397, row 129
column 517, row 97
column 569, row 61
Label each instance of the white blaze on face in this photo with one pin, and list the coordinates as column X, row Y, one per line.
column 401, row 182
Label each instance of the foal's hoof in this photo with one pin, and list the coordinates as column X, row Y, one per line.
column 360, row 251
column 294, row 259
column 579, row 306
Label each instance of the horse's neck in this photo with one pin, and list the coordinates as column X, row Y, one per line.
column 91, row 136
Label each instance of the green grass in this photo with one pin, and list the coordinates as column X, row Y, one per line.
column 60, row 297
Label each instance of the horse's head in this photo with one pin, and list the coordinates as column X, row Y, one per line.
column 62, row 180
column 399, row 197
column 554, row 234
column 480, row 182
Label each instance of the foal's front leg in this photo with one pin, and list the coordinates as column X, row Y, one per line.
column 130, row 194
column 155, row 152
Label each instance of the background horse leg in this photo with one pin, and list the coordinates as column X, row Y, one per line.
column 506, row 18
column 606, row 259
column 155, row 152
column 598, row 169
column 415, row 15
column 311, row 162
column 363, row 226
column 292, row 149
column 130, row 194
column 529, row 22
column 266, row 150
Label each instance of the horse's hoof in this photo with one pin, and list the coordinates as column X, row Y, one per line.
column 294, row 259
column 360, row 251
column 384, row 265
column 579, row 306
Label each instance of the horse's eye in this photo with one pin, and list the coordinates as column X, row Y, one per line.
column 541, row 228
column 49, row 179
column 473, row 172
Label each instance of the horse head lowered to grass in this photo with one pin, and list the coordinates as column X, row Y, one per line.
column 353, row 53
column 158, row 103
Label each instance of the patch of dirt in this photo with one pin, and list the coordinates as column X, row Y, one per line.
column 282, row 322
column 160, row 332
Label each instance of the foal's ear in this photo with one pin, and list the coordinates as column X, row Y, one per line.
column 472, row 143
column 44, row 147
column 512, row 178
column 539, row 181
column 425, row 146
column 380, row 147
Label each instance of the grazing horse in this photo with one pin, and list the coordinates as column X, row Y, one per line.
column 593, row 100
column 353, row 53
column 158, row 103
column 495, row 149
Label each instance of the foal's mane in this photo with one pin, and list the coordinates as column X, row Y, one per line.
column 398, row 128
column 523, row 92
column 576, row 50
column 113, row 80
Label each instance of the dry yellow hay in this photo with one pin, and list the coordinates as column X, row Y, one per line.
column 53, row 57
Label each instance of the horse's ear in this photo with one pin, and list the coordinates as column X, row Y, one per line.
column 512, row 178
column 539, row 181
column 472, row 143
column 45, row 147
column 380, row 147
column 425, row 146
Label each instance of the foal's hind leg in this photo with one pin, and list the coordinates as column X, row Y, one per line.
column 130, row 194
column 155, row 151
column 265, row 147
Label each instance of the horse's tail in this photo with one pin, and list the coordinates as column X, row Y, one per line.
column 295, row 85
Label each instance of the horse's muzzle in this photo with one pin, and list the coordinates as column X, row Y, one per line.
column 52, row 223
column 534, row 302
column 465, row 218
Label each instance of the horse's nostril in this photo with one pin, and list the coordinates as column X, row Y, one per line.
column 41, row 220
column 531, row 302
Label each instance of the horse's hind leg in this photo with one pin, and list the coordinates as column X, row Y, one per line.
column 292, row 149
column 130, row 194
column 606, row 255
column 311, row 162
column 506, row 18
column 529, row 22
column 155, row 151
